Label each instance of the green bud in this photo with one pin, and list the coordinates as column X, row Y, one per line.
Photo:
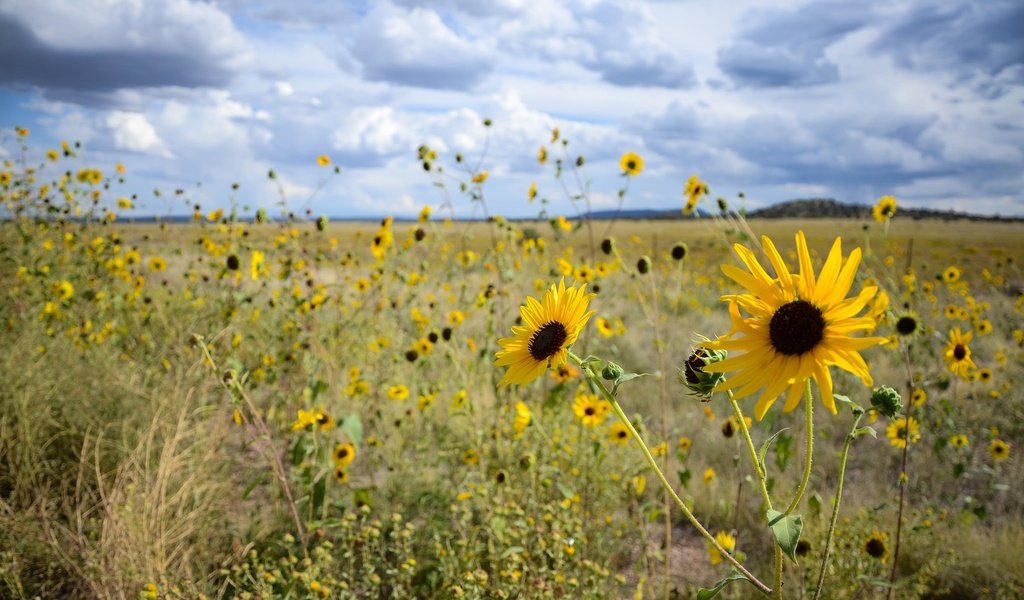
column 886, row 401
column 611, row 372
column 700, row 382
column 321, row 223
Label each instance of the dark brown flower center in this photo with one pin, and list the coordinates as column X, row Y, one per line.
column 906, row 325
column 695, row 366
column 875, row 548
column 796, row 328
column 960, row 352
column 589, row 411
column 548, row 340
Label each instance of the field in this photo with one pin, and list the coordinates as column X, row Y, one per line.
column 297, row 408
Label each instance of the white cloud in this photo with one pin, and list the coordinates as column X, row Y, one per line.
column 132, row 131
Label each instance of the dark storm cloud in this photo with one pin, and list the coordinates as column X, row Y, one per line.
column 787, row 48
column 964, row 39
column 27, row 60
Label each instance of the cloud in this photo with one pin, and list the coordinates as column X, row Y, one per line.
column 786, row 48
column 97, row 46
column 416, row 48
column 132, row 131
column 964, row 39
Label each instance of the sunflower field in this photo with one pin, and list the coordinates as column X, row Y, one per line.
column 261, row 403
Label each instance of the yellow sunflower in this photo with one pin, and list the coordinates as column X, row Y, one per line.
column 549, row 328
column 958, row 353
column 631, row 164
column 589, row 410
column 875, row 546
column 901, row 430
column 885, row 209
column 798, row 326
column 999, row 450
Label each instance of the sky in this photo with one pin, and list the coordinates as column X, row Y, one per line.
column 920, row 99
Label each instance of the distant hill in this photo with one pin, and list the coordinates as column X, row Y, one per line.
column 828, row 208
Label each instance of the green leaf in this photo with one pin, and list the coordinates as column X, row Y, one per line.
column 711, row 592
column 684, row 477
column 764, row 448
column 628, row 377
column 866, row 430
column 319, row 492
column 512, row 550
column 498, row 525
column 353, row 428
column 566, row 492
column 783, row 451
column 786, row 530
column 815, row 503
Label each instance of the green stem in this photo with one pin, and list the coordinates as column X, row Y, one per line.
column 664, row 482
column 809, row 401
column 835, row 508
column 762, row 479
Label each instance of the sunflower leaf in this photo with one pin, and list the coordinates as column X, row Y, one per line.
column 786, row 529
column 628, row 377
column 866, row 430
column 353, row 428
column 764, row 449
column 711, row 592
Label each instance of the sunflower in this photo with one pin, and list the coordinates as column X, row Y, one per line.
column 907, row 325
column 999, row 450
column 899, row 432
column 631, row 164
column 875, row 546
column 726, row 541
column 958, row 353
column 549, row 328
column 684, row 444
column 918, row 397
column 885, row 209
column 798, row 326
column 343, row 455
column 618, row 433
column 958, row 441
column 522, row 418
column 589, row 410
column 951, row 275
column 323, row 160
column 694, row 190
column 398, row 392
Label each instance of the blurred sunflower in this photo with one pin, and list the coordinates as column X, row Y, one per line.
column 343, row 455
column 549, row 328
column 951, row 275
column 618, row 433
column 631, row 164
column 958, row 441
column 522, row 418
column 323, row 160
column 999, row 450
column 589, row 410
column 958, row 353
column 899, row 432
column 885, row 209
column 726, row 541
column 798, row 326
column 398, row 392
column 875, row 546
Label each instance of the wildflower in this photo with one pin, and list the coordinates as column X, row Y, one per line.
column 522, row 418
column 619, row 433
column 694, row 190
column 425, row 401
column 398, row 392
column 951, row 275
column 918, row 397
column 709, row 475
column 542, row 155
column 875, row 546
column 604, row 327
column 885, row 209
column 700, row 382
column 459, row 401
column 958, row 353
column 798, row 326
column 481, row 177
column 631, row 164
column 726, row 541
column 999, row 450
column 984, row 327
column 549, row 328
column 323, row 160
column 984, row 375
column 886, row 401
column 344, row 454
column 679, row 251
column 64, row 290
column 639, row 484
column 958, row 441
column 470, row 457
column 589, row 410
column 907, row 325
column 900, row 432
column 531, row 193
column 157, row 264
column 340, row 475
column 684, row 444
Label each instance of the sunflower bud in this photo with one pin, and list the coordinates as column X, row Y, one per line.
column 886, row 401
column 611, row 371
column 643, row 265
column 700, row 382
